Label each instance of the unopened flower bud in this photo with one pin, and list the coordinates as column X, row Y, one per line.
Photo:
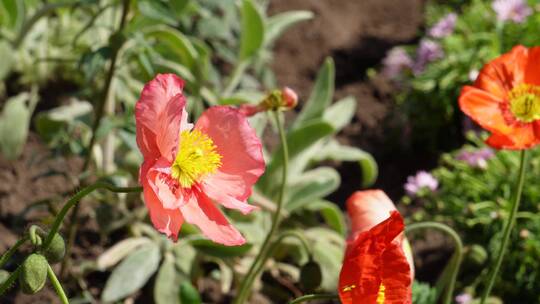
column 311, row 276
column 33, row 273
column 290, row 98
column 56, row 250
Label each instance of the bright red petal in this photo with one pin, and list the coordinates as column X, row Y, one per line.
column 532, row 74
column 373, row 258
column 521, row 137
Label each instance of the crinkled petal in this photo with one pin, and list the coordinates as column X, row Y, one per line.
column 521, row 137
column 483, row 108
column 221, row 197
column 200, row 211
column 166, row 221
column 166, row 188
column 373, row 258
column 532, row 74
column 503, row 73
column 240, row 149
column 160, row 116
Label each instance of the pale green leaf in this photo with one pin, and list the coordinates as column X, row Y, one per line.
column 279, row 23
column 252, row 35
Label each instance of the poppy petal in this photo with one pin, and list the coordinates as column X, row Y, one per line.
column 216, row 193
column 532, row 74
column 484, row 109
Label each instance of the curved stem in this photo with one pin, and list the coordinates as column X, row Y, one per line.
column 294, row 234
column 458, row 252
column 261, row 258
column 10, row 280
column 320, row 296
column 510, row 221
column 57, row 286
column 75, row 199
column 5, row 258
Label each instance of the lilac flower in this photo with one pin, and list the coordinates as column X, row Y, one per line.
column 428, row 51
column 511, row 10
column 477, row 159
column 395, row 62
column 444, row 27
column 422, row 180
column 464, row 298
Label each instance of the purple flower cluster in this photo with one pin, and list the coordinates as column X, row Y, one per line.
column 395, row 62
column 444, row 27
column 511, row 10
column 427, row 52
column 422, row 180
column 477, row 159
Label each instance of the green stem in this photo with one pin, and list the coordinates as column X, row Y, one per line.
column 75, row 199
column 319, row 296
column 57, row 286
column 258, row 264
column 510, row 221
column 458, row 252
column 239, row 70
column 294, row 234
column 5, row 258
column 100, row 106
column 10, row 281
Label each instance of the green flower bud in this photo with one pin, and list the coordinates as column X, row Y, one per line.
column 3, row 276
column 310, row 276
column 33, row 273
column 477, row 255
column 56, row 250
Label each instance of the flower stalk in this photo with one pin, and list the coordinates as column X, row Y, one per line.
column 262, row 257
column 509, row 225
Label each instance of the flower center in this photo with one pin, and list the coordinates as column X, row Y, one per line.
column 380, row 296
column 197, row 157
column 525, row 102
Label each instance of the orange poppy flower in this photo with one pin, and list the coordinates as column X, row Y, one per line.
column 505, row 99
column 376, row 268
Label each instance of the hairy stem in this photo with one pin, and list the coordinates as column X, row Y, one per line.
column 57, row 286
column 458, row 252
column 258, row 263
column 509, row 225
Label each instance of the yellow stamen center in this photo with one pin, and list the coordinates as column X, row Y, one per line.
column 525, row 102
column 197, row 157
column 380, row 296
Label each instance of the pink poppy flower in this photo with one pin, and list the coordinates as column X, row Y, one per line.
column 187, row 168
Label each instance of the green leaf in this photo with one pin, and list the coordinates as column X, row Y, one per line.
column 217, row 250
column 331, row 214
column 178, row 6
column 252, row 35
column 14, row 123
column 320, row 97
column 277, row 24
column 340, row 113
column 311, row 186
column 334, row 151
column 168, row 280
column 189, row 294
column 328, row 253
column 299, row 141
column 132, row 274
column 12, row 13
column 6, row 53
column 175, row 42
column 157, row 10
column 119, row 251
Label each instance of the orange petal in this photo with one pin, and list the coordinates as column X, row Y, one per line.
column 484, row 109
column 520, row 138
column 367, row 209
column 503, row 73
column 532, row 73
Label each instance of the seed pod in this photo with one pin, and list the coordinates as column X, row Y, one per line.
column 33, row 273
column 56, row 250
column 310, row 276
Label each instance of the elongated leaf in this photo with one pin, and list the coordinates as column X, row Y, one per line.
column 157, row 10
column 278, row 24
column 340, row 113
column 12, row 13
column 168, row 280
column 175, row 42
column 178, row 6
column 311, row 186
column 189, row 294
column 331, row 213
column 252, row 30
column 210, row 248
column 299, row 141
column 328, row 253
column 334, row 151
column 6, row 53
column 321, row 95
column 119, row 251
column 132, row 274
column 14, row 123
